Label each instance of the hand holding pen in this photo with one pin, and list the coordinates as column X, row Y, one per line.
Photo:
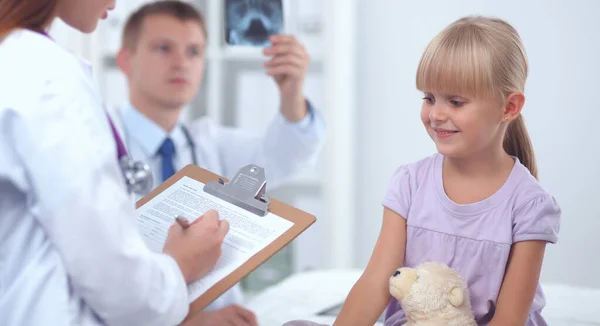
column 184, row 222
column 196, row 246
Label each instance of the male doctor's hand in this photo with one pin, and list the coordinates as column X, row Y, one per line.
column 288, row 66
column 197, row 248
column 232, row 315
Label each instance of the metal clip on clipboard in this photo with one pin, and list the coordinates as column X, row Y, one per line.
column 246, row 190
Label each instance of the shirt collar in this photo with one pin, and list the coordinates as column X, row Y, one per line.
column 147, row 133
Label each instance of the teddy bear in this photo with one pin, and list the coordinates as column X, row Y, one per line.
column 432, row 294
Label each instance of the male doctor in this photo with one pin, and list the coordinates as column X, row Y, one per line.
column 163, row 58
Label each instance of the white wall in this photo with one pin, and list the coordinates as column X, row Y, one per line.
column 562, row 111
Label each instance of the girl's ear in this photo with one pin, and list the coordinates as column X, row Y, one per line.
column 513, row 105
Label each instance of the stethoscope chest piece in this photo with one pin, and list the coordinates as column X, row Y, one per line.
column 138, row 175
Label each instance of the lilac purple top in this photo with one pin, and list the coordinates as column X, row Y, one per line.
column 474, row 239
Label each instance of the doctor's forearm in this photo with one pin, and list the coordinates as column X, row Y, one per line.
column 294, row 108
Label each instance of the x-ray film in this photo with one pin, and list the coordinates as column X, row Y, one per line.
column 251, row 22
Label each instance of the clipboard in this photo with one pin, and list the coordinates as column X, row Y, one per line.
column 247, row 190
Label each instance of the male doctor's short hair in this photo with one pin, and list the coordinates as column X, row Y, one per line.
column 174, row 8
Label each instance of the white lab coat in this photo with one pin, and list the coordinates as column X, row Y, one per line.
column 70, row 252
column 283, row 150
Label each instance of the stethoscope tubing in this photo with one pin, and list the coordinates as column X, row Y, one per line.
column 138, row 174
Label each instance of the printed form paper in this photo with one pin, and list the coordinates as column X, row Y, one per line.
column 248, row 233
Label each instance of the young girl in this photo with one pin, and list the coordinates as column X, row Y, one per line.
column 476, row 205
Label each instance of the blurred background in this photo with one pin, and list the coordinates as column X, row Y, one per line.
column 362, row 77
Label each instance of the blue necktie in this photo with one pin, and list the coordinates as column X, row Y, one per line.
column 166, row 151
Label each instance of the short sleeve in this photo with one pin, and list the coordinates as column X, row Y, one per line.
column 399, row 192
column 538, row 219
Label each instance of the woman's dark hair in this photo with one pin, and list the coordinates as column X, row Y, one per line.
column 36, row 15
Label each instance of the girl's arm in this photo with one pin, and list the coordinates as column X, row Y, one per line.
column 370, row 295
column 520, row 283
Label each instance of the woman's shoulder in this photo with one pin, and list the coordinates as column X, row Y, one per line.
column 31, row 57
column 35, row 68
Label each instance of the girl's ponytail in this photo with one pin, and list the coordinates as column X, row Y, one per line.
column 517, row 143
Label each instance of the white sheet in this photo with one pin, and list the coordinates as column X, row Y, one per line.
column 304, row 295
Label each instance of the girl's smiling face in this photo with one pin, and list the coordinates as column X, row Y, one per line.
column 460, row 125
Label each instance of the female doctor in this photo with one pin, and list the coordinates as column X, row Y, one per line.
column 70, row 253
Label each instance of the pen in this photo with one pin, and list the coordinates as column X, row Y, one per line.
column 183, row 222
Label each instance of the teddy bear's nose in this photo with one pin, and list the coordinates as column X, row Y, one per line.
column 396, row 273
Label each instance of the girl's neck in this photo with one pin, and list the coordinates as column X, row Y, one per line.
column 475, row 178
column 484, row 164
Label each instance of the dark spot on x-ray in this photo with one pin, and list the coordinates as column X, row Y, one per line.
column 251, row 22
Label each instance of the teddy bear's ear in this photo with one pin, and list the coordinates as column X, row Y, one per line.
column 456, row 296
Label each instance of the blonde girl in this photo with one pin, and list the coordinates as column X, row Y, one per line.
column 476, row 205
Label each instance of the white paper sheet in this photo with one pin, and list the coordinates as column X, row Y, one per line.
column 248, row 233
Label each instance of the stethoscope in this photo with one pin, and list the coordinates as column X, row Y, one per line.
column 138, row 175
column 191, row 144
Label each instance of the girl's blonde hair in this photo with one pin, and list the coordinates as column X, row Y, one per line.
column 480, row 57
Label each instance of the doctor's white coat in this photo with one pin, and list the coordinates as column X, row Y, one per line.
column 70, row 252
